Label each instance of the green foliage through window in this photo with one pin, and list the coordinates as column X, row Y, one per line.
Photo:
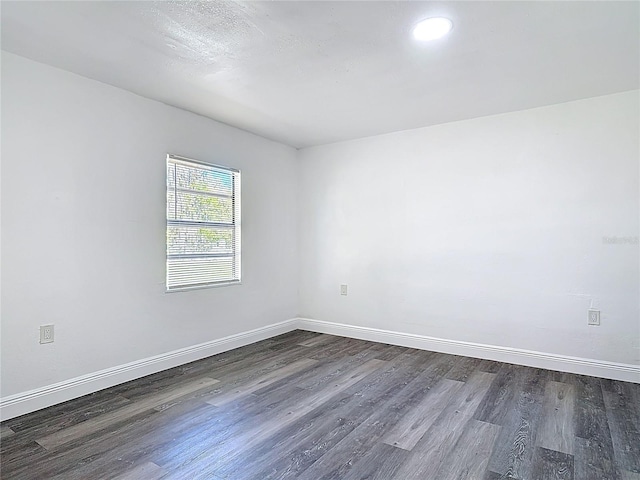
column 203, row 224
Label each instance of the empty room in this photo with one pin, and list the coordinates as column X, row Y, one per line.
column 320, row 240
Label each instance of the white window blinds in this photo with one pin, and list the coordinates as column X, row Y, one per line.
column 203, row 224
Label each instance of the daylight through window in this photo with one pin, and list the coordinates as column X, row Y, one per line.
column 203, row 224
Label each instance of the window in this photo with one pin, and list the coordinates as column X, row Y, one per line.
column 203, row 224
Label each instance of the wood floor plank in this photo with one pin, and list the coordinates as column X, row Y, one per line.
column 380, row 463
column 5, row 432
column 329, row 370
column 247, row 356
column 361, row 412
column 146, row 471
column 338, row 461
column 489, row 475
column 594, row 461
column 66, row 414
column 230, row 423
column 534, row 381
column 282, row 417
column 342, row 383
column 629, row 394
column 246, row 370
column 260, row 382
column 556, row 430
column 204, row 474
column 431, row 451
column 622, row 420
column 512, row 456
column 389, row 352
column 113, row 451
column 233, row 367
column 132, row 409
column 161, row 436
column 416, row 422
column 561, row 377
column 463, row 368
column 594, row 457
column 30, row 431
column 402, row 402
column 385, row 411
column 301, row 336
column 402, row 398
column 552, row 465
column 489, row 366
column 590, row 410
column 338, row 346
column 495, row 404
column 319, row 339
column 470, row 457
column 323, row 411
column 314, row 444
column 162, row 433
column 14, row 456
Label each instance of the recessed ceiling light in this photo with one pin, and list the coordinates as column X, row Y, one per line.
column 432, row 28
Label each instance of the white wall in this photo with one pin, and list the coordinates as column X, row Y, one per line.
column 487, row 230
column 83, row 227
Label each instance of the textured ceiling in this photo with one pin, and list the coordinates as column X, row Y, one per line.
column 309, row 73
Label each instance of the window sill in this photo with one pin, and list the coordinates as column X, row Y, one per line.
column 201, row 287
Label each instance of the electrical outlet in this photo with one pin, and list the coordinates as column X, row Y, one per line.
column 343, row 289
column 46, row 333
column 594, row 317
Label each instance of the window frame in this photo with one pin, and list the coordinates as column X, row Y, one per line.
column 235, row 224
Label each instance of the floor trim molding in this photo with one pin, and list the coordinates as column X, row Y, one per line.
column 32, row 400
column 551, row 361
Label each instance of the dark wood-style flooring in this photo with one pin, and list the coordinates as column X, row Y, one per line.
column 312, row 407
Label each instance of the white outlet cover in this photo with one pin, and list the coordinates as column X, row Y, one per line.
column 594, row 317
column 343, row 289
column 46, row 333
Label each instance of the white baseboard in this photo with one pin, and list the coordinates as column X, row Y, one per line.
column 32, row 400
column 550, row 361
